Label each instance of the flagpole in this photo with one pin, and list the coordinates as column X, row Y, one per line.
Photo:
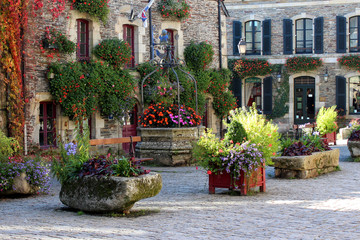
column 151, row 35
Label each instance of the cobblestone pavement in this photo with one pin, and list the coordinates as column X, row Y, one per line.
column 327, row 207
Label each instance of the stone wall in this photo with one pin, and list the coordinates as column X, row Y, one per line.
column 202, row 26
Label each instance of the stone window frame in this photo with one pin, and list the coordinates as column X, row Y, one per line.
column 299, row 17
column 347, row 77
column 243, row 33
column 177, row 31
column 356, row 13
column 132, row 43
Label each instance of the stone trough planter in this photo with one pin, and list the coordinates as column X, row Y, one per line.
column 354, row 148
column 109, row 194
column 307, row 166
column 168, row 146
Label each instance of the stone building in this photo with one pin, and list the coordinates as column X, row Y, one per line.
column 279, row 30
column 44, row 120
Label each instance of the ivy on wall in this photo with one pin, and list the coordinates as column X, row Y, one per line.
column 281, row 97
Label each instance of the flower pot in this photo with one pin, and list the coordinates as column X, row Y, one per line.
column 331, row 137
column 109, row 194
column 354, row 148
column 306, row 166
column 168, row 146
column 222, row 179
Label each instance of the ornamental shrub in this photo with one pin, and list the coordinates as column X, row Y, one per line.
column 95, row 8
column 326, row 120
column 303, row 64
column 114, row 51
column 235, row 133
column 59, row 40
column 174, row 8
column 198, row 56
column 259, row 131
column 8, row 147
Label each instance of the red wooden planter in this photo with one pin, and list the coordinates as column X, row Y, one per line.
column 331, row 137
column 225, row 180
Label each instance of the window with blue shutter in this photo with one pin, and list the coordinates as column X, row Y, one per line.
column 266, row 37
column 319, row 35
column 267, row 99
column 236, row 36
column 287, row 36
column 236, row 89
column 340, row 34
column 341, row 94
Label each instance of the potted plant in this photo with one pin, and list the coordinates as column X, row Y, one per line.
column 326, row 123
column 353, row 142
column 307, row 157
column 18, row 174
column 101, row 183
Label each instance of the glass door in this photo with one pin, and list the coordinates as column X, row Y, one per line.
column 304, row 100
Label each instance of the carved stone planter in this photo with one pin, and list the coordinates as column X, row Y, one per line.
column 109, row 194
column 354, row 148
column 168, row 146
column 306, row 166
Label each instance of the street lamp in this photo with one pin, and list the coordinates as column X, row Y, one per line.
column 326, row 75
column 242, row 46
column 278, row 76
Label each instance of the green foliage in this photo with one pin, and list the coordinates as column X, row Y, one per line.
column 326, row 120
column 114, row 51
column 351, row 62
column 60, row 41
column 72, row 156
column 252, row 67
column 95, row 8
column 124, row 168
column 81, row 88
column 235, row 133
column 259, row 131
column 281, row 98
column 198, row 56
column 176, row 8
column 8, row 147
column 208, row 150
column 303, row 64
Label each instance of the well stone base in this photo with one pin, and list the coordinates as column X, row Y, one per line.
column 354, row 148
column 168, row 146
column 307, row 166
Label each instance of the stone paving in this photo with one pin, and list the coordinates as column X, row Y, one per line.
column 326, row 207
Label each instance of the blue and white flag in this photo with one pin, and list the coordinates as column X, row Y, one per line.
column 142, row 14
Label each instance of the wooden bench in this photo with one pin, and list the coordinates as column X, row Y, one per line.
column 131, row 140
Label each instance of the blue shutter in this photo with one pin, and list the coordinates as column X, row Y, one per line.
column 288, row 36
column 267, row 99
column 319, row 35
column 266, row 28
column 236, row 89
column 341, row 94
column 340, row 34
column 236, row 36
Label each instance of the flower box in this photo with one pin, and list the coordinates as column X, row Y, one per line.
column 222, row 179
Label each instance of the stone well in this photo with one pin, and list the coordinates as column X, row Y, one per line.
column 168, row 146
column 306, row 166
column 354, row 148
column 109, row 194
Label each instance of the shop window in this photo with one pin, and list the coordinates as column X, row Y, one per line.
column 47, row 131
column 253, row 93
column 354, row 95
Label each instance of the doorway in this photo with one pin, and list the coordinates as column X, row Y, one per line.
column 304, row 100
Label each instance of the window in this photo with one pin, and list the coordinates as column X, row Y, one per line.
column 128, row 31
column 260, row 92
column 354, row 95
column 171, row 41
column 354, row 34
column 304, row 38
column 47, row 132
column 257, row 37
column 83, row 40
column 253, row 37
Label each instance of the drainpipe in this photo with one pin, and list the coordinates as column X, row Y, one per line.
column 151, row 35
column 23, row 88
column 219, row 28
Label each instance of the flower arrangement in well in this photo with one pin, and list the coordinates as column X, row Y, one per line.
column 350, row 62
column 167, row 116
column 303, row 64
column 252, row 67
column 174, row 8
column 59, row 41
column 326, row 120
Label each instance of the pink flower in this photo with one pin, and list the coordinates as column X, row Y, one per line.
column 220, row 151
column 209, row 172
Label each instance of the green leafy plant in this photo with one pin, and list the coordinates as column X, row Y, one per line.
column 350, row 62
column 174, row 8
column 198, row 56
column 300, row 64
column 235, row 133
column 259, row 131
column 59, row 41
column 8, row 147
column 281, row 98
column 96, row 8
column 114, row 51
column 306, row 145
column 326, row 120
column 252, row 67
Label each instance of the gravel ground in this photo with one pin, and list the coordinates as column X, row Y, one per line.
column 326, row 207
